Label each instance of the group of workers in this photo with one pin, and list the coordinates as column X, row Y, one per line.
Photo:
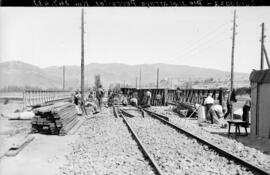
column 93, row 100
column 216, row 113
column 133, row 99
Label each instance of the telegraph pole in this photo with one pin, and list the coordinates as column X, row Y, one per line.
column 157, row 77
column 267, row 59
column 262, row 47
column 140, row 79
column 232, row 61
column 136, row 82
column 64, row 77
column 82, row 55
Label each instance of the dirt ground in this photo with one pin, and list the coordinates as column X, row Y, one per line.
column 11, row 130
column 46, row 153
column 43, row 156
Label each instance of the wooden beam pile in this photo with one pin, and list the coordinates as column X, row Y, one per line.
column 56, row 119
column 185, row 108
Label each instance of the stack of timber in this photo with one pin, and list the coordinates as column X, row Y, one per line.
column 185, row 108
column 56, row 119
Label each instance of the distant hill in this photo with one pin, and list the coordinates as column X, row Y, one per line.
column 21, row 74
column 17, row 73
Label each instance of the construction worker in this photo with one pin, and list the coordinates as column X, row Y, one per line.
column 158, row 100
column 147, row 99
column 133, row 100
column 91, row 102
column 246, row 109
column 230, row 101
column 100, row 95
column 178, row 94
column 214, row 112
column 124, row 100
column 76, row 101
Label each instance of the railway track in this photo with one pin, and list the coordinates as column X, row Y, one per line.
column 227, row 162
column 213, row 147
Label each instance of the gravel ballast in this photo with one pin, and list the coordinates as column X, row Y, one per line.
column 105, row 146
column 178, row 154
column 251, row 155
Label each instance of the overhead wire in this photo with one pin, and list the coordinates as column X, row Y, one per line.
column 199, row 46
column 205, row 36
column 204, row 48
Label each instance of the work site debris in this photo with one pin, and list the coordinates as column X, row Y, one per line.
column 185, row 109
column 56, row 119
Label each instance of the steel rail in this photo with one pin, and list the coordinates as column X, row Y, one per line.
column 162, row 116
column 126, row 113
column 142, row 147
column 172, row 103
column 115, row 111
column 222, row 152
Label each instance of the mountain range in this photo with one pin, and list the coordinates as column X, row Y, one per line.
column 17, row 73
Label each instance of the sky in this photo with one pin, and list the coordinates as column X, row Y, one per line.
column 194, row 36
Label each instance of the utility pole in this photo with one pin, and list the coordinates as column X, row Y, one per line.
column 136, row 82
column 82, row 56
column 262, row 47
column 157, row 77
column 140, row 79
column 267, row 59
column 232, row 61
column 64, row 77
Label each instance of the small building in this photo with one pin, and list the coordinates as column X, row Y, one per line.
column 260, row 103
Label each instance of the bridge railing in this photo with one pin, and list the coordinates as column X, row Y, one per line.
column 35, row 97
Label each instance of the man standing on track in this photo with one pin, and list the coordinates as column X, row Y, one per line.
column 100, row 95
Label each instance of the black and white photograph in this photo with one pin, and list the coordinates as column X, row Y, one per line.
column 135, row 90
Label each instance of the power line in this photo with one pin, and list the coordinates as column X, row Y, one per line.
column 200, row 46
column 204, row 48
column 205, row 36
